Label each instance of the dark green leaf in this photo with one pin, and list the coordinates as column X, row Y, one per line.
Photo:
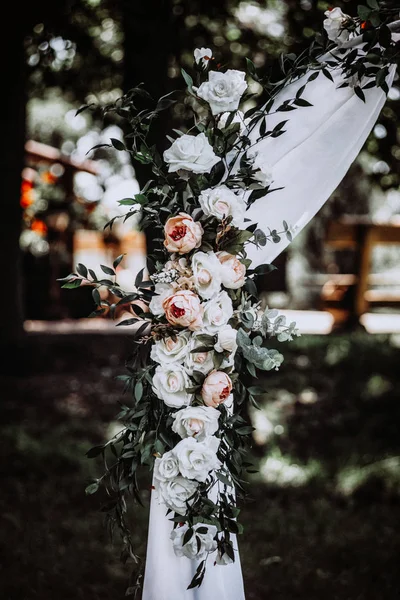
column 82, row 270
column 95, row 451
column 118, row 145
column 70, row 285
column 96, row 296
column 107, row 270
column 91, row 489
column 188, row 79
column 118, row 260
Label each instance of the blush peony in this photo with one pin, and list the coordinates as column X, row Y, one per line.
column 182, row 234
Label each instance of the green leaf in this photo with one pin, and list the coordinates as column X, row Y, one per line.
column 96, row 296
column 302, row 102
column 71, row 285
column 82, row 270
column 256, row 390
column 127, row 202
column 358, row 91
column 118, row 145
column 141, row 199
column 313, row 76
column 118, row 260
column 92, row 489
column 139, row 391
column 385, row 36
column 246, row 430
column 107, row 270
column 127, row 322
column 363, row 12
column 373, row 4
column 188, row 79
column 95, row 451
column 188, row 536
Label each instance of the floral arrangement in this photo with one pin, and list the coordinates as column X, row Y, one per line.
column 200, row 333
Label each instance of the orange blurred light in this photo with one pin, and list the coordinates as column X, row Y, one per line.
column 48, row 177
column 39, row 227
column 26, row 186
column 27, row 198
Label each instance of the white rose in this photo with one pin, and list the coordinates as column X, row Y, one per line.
column 196, row 421
column 197, row 459
column 191, row 153
column 170, row 383
column 334, row 25
column 203, row 56
column 221, row 202
column 177, row 493
column 206, row 274
column 233, row 272
column 167, row 467
column 169, row 350
column 217, row 312
column 238, row 118
column 200, row 544
column 226, row 340
column 163, row 290
column 198, row 361
column 223, row 91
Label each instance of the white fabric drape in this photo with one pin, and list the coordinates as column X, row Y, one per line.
column 309, row 161
column 168, row 576
column 312, row 157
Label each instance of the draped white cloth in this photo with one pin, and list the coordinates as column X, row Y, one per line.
column 312, row 157
column 308, row 161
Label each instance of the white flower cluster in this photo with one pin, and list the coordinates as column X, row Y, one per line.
column 165, row 276
column 191, row 294
column 336, row 26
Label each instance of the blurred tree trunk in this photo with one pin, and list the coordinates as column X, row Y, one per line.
column 148, row 41
column 13, row 134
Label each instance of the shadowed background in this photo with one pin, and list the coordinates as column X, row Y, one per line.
column 321, row 514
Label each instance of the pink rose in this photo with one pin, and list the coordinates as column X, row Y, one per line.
column 216, row 388
column 184, row 309
column 233, row 272
column 182, row 234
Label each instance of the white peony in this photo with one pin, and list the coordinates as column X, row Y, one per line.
column 226, row 340
column 197, row 459
column 191, row 153
column 203, row 56
column 200, row 544
column 238, row 118
column 223, row 91
column 163, row 290
column 167, row 467
column 217, row 312
column 169, row 350
column 170, row 383
column 206, row 274
column 196, row 421
column 177, row 493
column 221, row 202
column 198, row 361
column 334, row 25
column 233, row 272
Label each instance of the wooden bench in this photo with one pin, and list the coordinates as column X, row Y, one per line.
column 361, row 235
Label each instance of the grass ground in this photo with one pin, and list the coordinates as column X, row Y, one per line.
column 321, row 518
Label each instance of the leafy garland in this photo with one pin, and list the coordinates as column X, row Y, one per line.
column 198, row 328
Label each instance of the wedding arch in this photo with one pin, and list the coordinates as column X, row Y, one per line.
column 225, row 199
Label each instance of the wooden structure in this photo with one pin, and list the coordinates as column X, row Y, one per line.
column 361, row 235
